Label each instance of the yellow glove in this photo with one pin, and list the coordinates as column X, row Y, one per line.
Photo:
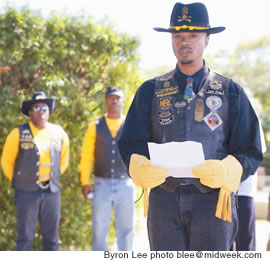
column 225, row 174
column 145, row 175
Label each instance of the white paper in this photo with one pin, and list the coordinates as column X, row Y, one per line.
column 177, row 157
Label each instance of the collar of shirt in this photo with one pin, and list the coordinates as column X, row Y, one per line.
column 33, row 128
column 197, row 78
column 114, row 124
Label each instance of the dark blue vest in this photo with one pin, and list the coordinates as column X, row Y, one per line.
column 204, row 119
column 26, row 170
column 108, row 162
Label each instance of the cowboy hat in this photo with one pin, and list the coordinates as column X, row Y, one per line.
column 190, row 18
column 38, row 97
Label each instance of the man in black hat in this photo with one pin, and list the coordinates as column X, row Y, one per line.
column 192, row 103
column 113, row 189
column 34, row 157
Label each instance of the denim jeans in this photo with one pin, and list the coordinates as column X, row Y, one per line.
column 246, row 236
column 185, row 220
column 119, row 195
column 31, row 206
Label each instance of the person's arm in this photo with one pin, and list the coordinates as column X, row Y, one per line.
column 88, row 154
column 10, row 152
column 245, row 139
column 135, row 133
column 64, row 153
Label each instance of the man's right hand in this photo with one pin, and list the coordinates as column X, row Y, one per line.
column 144, row 174
column 85, row 190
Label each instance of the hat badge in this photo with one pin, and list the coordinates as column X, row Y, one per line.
column 114, row 88
column 185, row 16
column 39, row 97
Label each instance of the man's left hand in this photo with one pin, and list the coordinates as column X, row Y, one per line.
column 224, row 174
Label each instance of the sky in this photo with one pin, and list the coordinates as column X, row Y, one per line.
column 244, row 20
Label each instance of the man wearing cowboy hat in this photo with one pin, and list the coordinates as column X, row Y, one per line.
column 192, row 103
column 34, row 157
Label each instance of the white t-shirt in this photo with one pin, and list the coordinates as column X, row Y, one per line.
column 248, row 187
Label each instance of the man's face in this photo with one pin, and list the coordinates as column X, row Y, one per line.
column 39, row 114
column 188, row 47
column 114, row 103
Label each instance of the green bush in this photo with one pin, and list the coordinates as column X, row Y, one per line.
column 73, row 60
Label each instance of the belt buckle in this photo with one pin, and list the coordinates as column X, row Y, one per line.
column 44, row 184
column 184, row 184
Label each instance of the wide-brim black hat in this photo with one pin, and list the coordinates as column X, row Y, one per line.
column 38, row 97
column 190, row 18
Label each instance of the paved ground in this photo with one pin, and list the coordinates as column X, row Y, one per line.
column 262, row 234
column 262, row 225
column 141, row 239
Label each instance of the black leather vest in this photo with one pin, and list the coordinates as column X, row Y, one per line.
column 108, row 162
column 204, row 119
column 26, row 170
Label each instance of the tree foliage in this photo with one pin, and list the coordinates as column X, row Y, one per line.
column 72, row 59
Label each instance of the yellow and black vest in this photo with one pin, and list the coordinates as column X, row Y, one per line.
column 26, row 170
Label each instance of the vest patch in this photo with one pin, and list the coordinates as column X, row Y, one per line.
column 165, row 114
column 166, row 92
column 27, row 145
column 215, row 88
column 166, row 121
column 165, row 103
column 215, row 85
column 213, row 120
column 213, row 103
column 210, row 91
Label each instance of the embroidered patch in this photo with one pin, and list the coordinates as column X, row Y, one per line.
column 213, row 120
column 215, row 88
column 167, row 84
column 165, row 114
column 213, row 103
column 26, row 137
column 26, row 132
column 166, row 92
column 166, row 121
column 215, row 85
column 165, row 103
column 27, row 145
column 215, row 92
column 179, row 105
